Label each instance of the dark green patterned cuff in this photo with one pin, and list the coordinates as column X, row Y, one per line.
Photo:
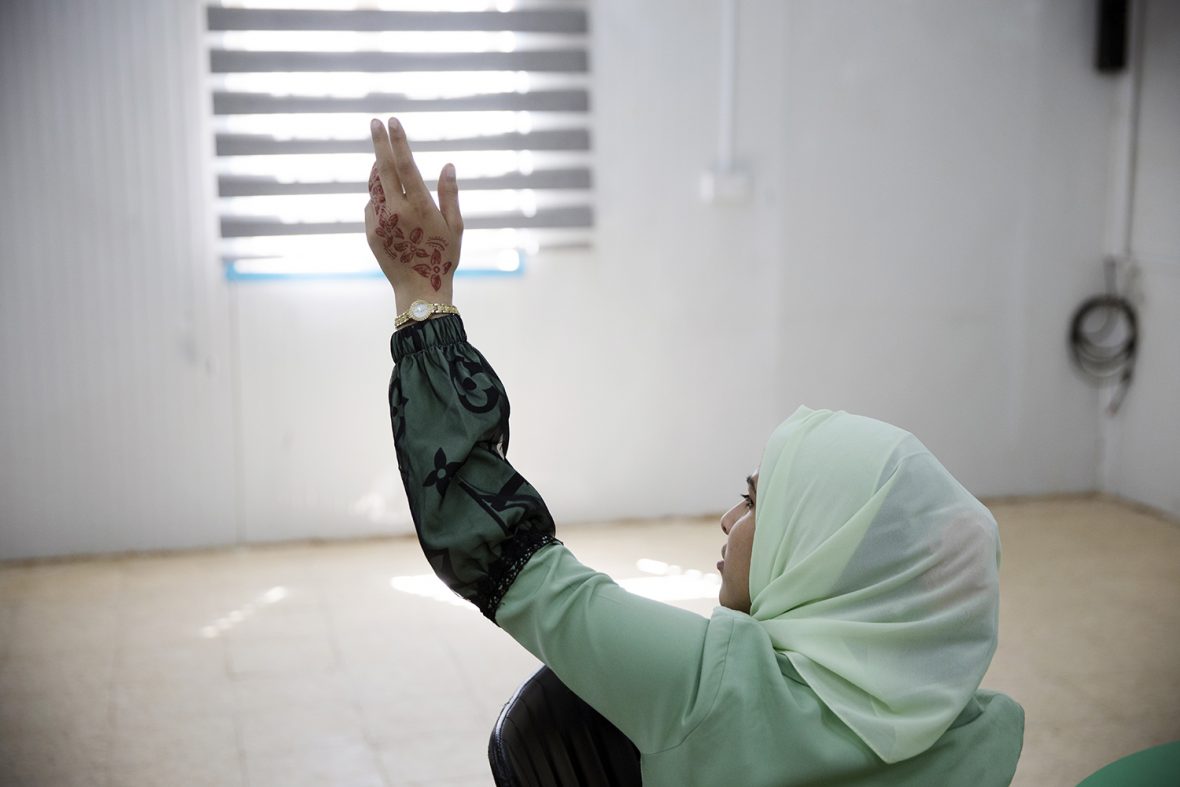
column 419, row 336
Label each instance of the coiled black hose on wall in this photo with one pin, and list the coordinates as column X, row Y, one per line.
column 1104, row 336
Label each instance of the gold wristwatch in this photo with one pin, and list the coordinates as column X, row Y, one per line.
column 421, row 311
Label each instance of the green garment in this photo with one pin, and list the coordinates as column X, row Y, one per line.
column 709, row 701
column 706, row 701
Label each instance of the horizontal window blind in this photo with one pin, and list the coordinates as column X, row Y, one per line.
column 500, row 89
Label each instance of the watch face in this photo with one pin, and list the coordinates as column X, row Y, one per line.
column 420, row 310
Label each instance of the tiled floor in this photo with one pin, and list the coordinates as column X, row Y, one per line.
column 343, row 664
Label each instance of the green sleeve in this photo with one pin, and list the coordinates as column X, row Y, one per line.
column 478, row 520
column 653, row 670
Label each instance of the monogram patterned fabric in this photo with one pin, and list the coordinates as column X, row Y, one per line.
column 477, row 519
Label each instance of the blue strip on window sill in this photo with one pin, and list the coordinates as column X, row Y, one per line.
column 233, row 274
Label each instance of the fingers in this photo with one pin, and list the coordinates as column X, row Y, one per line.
column 403, row 160
column 448, row 199
column 383, row 179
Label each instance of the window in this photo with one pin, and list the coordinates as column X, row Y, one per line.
column 499, row 88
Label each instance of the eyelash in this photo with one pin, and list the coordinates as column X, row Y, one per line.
column 749, row 501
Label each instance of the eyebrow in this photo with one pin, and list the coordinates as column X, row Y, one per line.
column 750, row 484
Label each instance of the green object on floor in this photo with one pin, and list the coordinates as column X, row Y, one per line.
column 1158, row 766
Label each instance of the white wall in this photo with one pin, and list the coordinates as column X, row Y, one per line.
column 1142, row 454
column 944, row 176
column 115, row 388
column 930, row 184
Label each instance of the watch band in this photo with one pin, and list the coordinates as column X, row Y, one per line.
column 420, row 311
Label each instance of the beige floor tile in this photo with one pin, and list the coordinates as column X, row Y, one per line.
column 343, row 584
column 336, row 764
column 460, row 753
column 222, row 772
column 386, row 609
column 216, row 575
column 81, row 675
column 182, row 740
column 279, row 623
column 281, row 656
column 386, row 723
column 41, row 627
column 164, row 631
column 1065, row 753
column 145, row 702
column 389, row 684
column 262, row 692
column 14, row 582
column 174, row 618
column 381, row 619
column 31, row 773
column 51, row 714
column 85, row 581
column 1127, row 695
column 70, row 754
column 495, row 677
column 199, row 661
column 412, row 648
column 7, row 619
column 269, row 562
column 299, row 727
column 408, row 655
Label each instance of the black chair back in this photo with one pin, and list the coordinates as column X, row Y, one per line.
column 546, row 736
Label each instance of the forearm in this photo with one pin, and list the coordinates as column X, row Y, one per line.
column 478, row 520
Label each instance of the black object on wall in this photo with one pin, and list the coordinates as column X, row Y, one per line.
column 1104, row 337
column 1110, row 55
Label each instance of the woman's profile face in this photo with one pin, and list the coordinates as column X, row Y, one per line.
column 738, row 525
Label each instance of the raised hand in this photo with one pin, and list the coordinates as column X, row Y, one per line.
column 416, row 243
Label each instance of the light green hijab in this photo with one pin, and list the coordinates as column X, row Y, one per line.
column 876, row 573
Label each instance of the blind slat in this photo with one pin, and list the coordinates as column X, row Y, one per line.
column 261, row 145
column 558, row 20
column 235, row 62
column 577, row 216
column 225, row 103
column 246, row 186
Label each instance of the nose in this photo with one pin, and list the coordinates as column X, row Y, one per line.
column 724, row 524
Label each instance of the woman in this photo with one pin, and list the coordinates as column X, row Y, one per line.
column 859, row 579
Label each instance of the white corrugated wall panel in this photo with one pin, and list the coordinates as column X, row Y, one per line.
column 1142, row 459
column 116, row 417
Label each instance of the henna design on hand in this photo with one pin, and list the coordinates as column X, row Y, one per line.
column 387, row 228
column 437, row 267
column 407, row 248
column 376, row 192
